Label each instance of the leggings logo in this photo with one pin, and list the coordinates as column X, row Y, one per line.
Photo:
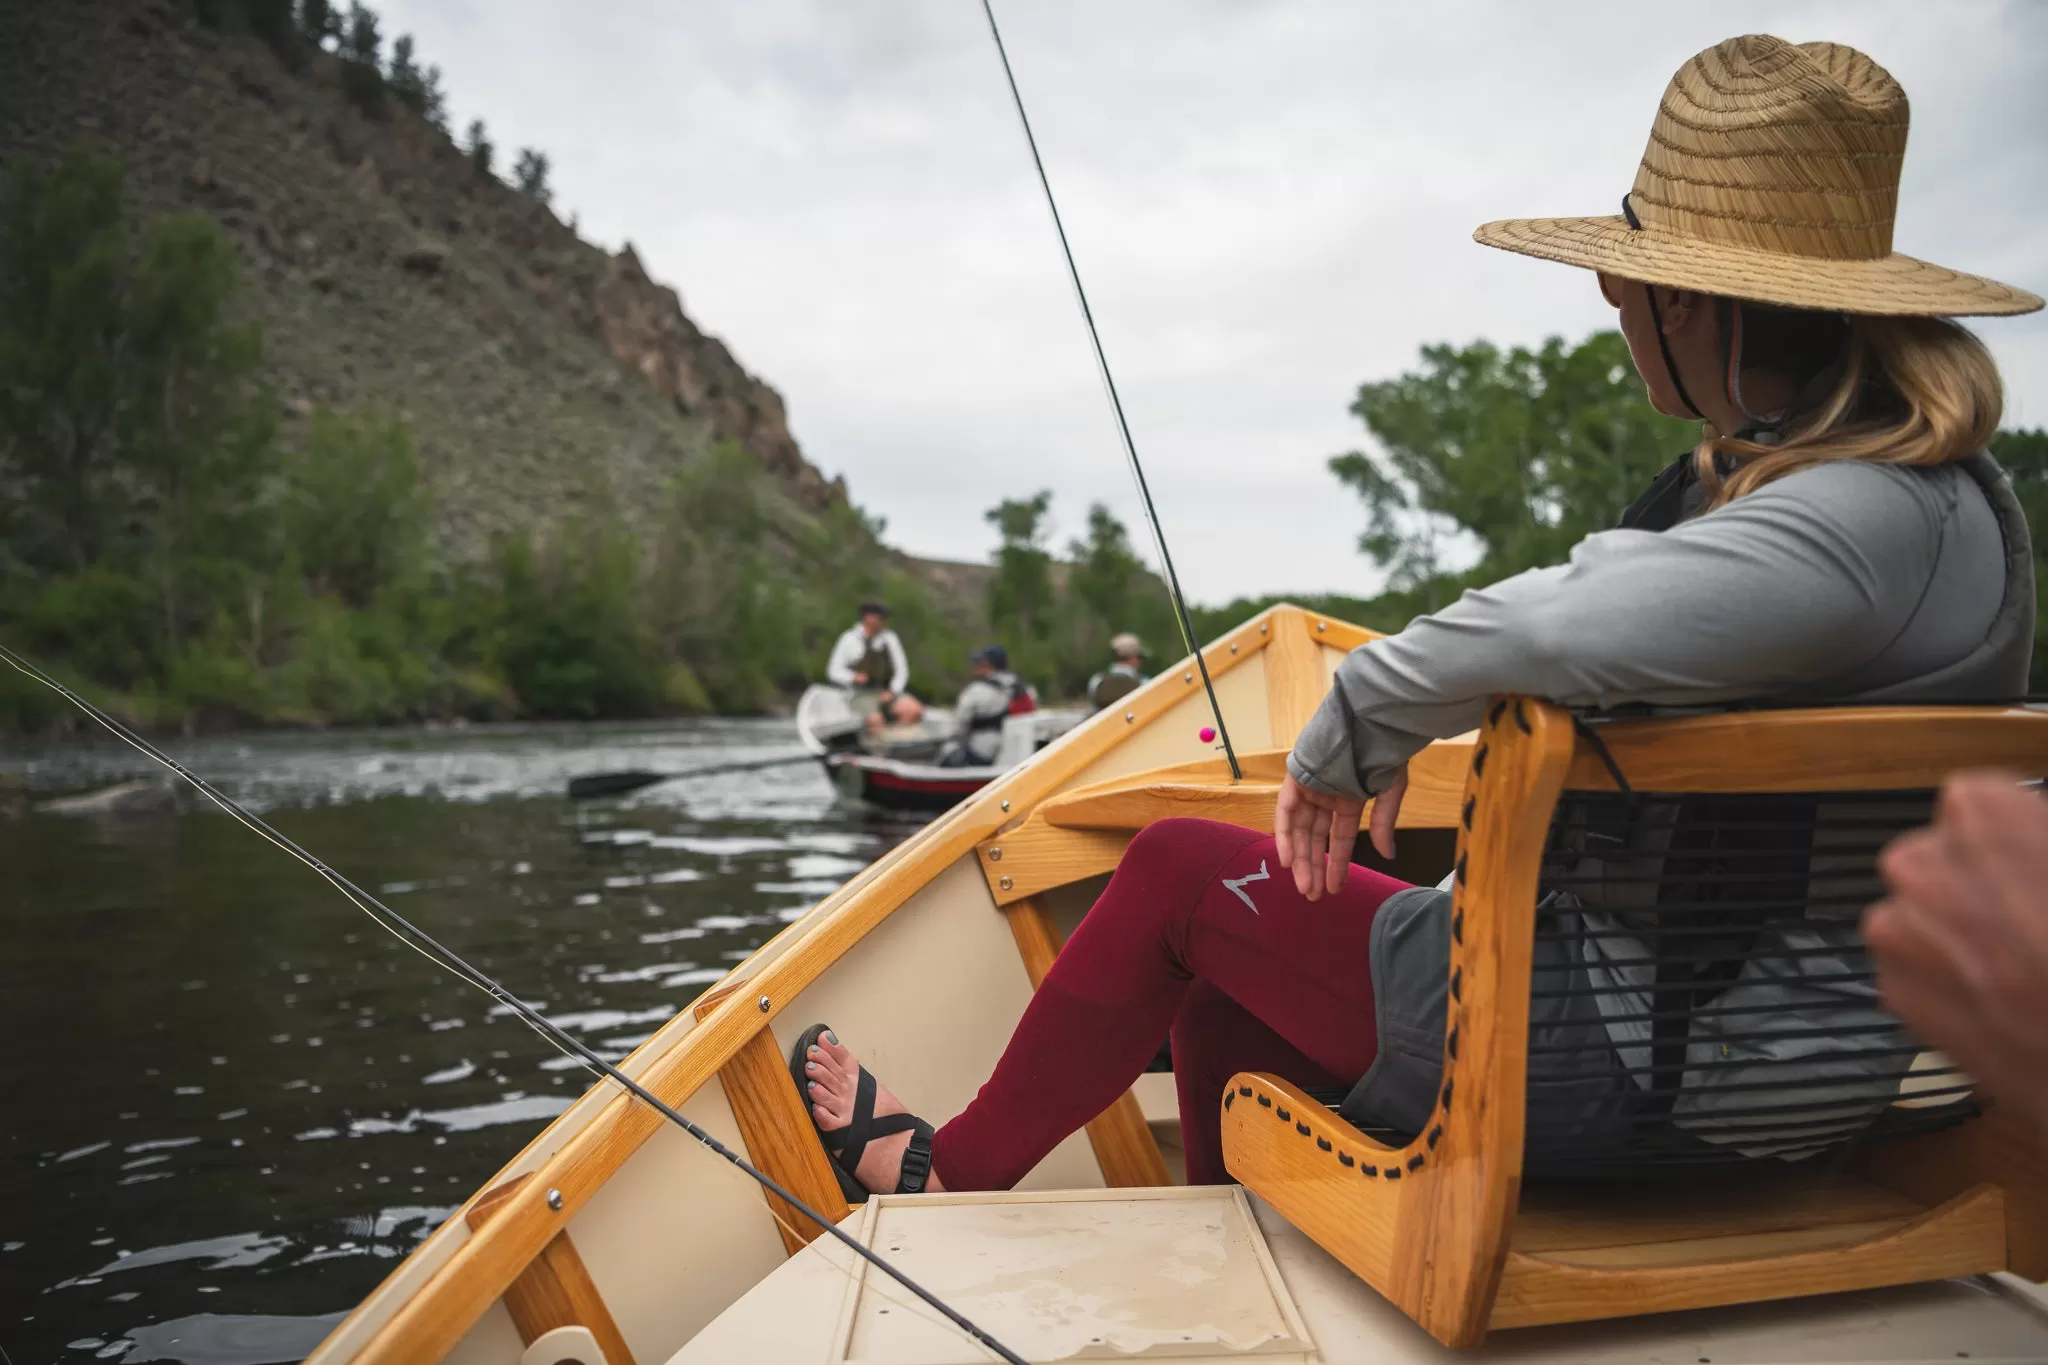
column 1236, row 885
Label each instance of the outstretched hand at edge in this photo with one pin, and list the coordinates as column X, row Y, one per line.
column 1961, row 943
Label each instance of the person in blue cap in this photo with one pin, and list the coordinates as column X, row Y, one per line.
column 993, row 694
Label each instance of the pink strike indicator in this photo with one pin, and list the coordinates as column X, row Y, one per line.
column 1208, row 733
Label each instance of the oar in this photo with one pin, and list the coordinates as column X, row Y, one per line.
column 618, row 784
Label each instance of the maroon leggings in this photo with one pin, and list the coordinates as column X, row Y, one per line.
column 1200, row 931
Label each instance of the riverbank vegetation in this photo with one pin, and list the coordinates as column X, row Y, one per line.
column 188, row 552
column 1490, row 462
column 184, row 550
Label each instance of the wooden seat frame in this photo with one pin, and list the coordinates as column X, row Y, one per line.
column 1434, row 1225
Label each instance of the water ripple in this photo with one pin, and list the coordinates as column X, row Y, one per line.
column 294, row 1099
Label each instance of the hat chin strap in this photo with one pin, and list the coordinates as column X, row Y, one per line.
column 1628, row 211
column 1762, row 427
column 1728, row 317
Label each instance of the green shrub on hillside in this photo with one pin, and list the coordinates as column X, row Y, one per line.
column 319, row 23
column 362, row 58
column 476, row 145
column 275, row 22
column 355, row 515
column 135, row 439
column 568, row 636
column 157, row 539
column 752, row 606
column 530, row 175
column 417, row 88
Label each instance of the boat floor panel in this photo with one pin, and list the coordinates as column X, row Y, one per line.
column 794, row 1315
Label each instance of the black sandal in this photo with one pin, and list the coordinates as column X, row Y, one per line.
column 845, row 1145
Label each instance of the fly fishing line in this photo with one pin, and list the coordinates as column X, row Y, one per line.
column 449, row 960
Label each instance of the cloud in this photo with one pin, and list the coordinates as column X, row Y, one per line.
column 1270, row 204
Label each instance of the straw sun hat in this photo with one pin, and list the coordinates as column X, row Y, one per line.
column 1772, row 174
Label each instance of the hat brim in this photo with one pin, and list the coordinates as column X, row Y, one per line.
column 1894, row 285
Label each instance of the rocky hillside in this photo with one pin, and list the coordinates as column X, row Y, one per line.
column 535, row 371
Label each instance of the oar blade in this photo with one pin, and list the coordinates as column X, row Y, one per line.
column 593, row 785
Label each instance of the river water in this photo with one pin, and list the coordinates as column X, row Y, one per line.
column 229, row 1102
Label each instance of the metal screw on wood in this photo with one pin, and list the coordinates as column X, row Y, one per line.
column 1322, row 626
column 995, row 855
column 1005, row 883
column 1233, row 649
column 555, row 1200
column 763, row 1003
column 1130, row 716
column 1187, row 677
column 1006, row 805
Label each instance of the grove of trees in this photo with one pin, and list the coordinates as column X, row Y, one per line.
column 1056, row 617
column 298, row 29
column 166, row 543
column 1490, row 462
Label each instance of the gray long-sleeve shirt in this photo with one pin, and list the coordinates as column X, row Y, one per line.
column 1843, row 580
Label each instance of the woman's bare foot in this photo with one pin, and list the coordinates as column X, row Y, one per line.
column 834, row 1074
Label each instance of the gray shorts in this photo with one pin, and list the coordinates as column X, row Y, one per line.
column 1578, row 1094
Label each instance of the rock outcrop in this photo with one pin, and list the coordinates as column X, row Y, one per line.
column 643, row 323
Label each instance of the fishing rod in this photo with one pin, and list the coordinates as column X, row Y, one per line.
column 1116, row 403
column 455, row 964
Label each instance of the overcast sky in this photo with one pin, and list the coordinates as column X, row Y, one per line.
column 1270, row 203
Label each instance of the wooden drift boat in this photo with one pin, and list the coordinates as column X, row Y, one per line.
column 615, row 1237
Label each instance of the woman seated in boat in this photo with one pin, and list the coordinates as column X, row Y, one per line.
column 991, row 696
column 1839, row 534
column 869, row 659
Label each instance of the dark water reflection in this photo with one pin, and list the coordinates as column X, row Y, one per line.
column 231, row 1101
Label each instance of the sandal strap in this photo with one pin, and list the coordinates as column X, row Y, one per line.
column 894, row 1123
column 852, row 1140
column 917, row 1158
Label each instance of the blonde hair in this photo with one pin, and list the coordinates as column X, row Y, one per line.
column 1912, row 391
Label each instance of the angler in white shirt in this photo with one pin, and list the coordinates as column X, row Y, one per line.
column 869, row 659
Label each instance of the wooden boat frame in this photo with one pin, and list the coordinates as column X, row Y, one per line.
column 511, row 1240
column 1036, row 839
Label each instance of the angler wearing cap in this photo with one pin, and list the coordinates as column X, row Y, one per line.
column 993, row 695
column 1839, row 534
column 1122, row 677
column 869, row 659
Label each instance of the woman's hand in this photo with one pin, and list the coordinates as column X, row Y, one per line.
column 1313, row 833
column 1386, row 809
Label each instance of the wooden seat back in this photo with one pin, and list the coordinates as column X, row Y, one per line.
column 1429, row 1218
